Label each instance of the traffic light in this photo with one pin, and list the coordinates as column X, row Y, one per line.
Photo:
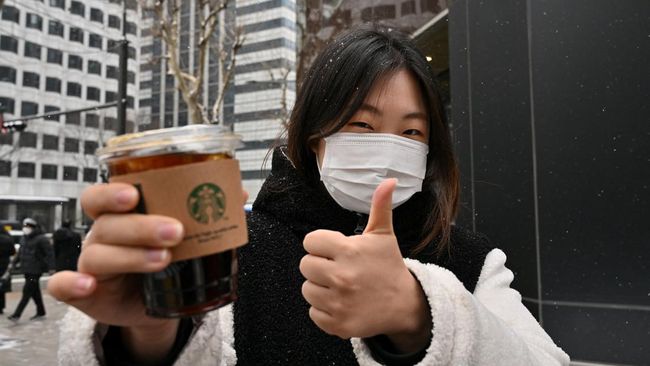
column 15, row 126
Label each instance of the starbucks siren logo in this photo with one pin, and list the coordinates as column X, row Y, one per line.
column 206, row 203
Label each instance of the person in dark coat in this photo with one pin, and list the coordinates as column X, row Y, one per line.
column 7, row 249
column 34, row 257
column 67, row 247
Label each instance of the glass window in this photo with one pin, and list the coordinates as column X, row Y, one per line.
column 74, row 89
column 75, row 62
column 114, row 21
column 70, row 173
column 53, row 84
column 111, row 72
column 34, row 21
column 27, row 139
column 49, row 171
column 70, row 145
column 92, row 120
column 90, row 175
column 32, row 50
column 26, row 170
column 8, row 44
column 90, row 147
column 131, row 28
column 57, row 4
column 132, row 4
column 73, row 119
column 96, row 15
column 51, row 108
column 110, row 96
column 77, row 7
column 7, row 104
column 54, row 56
column 93, row 93
column 50, row 142
column 94, row 67
column 110, row 123
column 28, row 109
column 130, row 77
column 408, row 7
column 76, row 34
column 31, row 79
column 113, row 46
column 132, row 52
column 7, row 74
column 430, row 6
column 55, row 28
column 11, row 14
column 5, row 167
column 130, row 102
column 95, row 41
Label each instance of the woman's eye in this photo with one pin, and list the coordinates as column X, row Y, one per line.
column 361, row 125
column 413, row 132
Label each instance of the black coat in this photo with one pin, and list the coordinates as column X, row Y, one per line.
column 67, row 247
column 7, row 249
column 35, row 253
column 272, row 324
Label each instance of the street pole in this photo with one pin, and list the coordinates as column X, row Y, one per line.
column 122, row 81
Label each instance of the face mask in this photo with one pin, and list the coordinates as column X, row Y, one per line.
column 355, row 163
column 27, row 230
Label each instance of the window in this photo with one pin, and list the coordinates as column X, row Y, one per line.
column 5, row 167
column 131, row 28
column 49, row 171
column 132, row 52
column 51, row 108
column 74, row 89
column 130, row 77
column 75, row 62
column 92, row 120
column 96, row 15
column 110, row 96
column 131, row 4
column 8, row 44
column 73, row 119
column 53, row 85
column 110, row 123
column 408, row 7
column 78, row 8
column 114, row 21
column 111, row 72
column 429, row 5
column 27, row 139
column 55, row 28
column 28, row 109
column 94, row 67
column 50, row 142
column 57, row 4
column 76, row 34
column 366, row 14
column 11, row 14
column 26, row 170
column 70, row 173
column 95, row 41
column 130, row 102
column 90, row 175
column 70, row 145
column 113, row 46
column 7, row 74
column 7, row 104
column 54, row 56
column 93, row 93
column 31, row 80
column 90, row 147
column 34, row 21
column 32, row 50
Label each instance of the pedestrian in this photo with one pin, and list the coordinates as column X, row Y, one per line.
column 34, row 256
column 7, row 249
column 344, row 264
column 67, row 247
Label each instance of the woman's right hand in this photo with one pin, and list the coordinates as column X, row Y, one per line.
column 120, row 245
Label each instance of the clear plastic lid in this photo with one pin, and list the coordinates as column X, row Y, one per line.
column 202, row 139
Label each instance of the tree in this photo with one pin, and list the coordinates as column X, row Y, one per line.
column 190, row 80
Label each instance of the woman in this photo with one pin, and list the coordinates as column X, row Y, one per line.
column 332, row 274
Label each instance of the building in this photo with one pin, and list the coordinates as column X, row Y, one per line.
column 59, row 55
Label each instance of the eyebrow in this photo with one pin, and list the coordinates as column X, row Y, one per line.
column 374, row 110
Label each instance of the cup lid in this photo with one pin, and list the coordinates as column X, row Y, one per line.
column 199, row 138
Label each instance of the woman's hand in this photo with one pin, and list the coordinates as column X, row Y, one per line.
column 359, row 286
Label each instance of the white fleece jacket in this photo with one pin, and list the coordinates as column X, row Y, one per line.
column 488, row 327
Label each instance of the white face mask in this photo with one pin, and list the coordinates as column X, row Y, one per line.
column 27, row 230
column 355, row 163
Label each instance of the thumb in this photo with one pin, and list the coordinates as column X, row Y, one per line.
column 381, row 209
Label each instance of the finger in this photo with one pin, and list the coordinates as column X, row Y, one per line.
column 137, row 229
column 317, row 296
column 317, row 269
column 68, row 286
column 113, row 197
column 323, row 320
column 381, row 210
column 323, row 243
column 101, row 259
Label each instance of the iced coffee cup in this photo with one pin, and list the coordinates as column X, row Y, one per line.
column 188, row 173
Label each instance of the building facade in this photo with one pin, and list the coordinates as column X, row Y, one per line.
column 59, row 55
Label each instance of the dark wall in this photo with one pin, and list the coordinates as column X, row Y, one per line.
column 551, row 117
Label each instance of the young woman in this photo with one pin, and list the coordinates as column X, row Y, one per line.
column 352, row 258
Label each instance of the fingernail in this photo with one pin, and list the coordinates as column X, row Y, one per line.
column 125, row 196
column 156, row 255
column 84, row 283
column 170, row 231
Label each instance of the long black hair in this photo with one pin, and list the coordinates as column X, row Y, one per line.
column 337, row 84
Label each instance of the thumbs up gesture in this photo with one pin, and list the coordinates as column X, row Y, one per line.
column 359, row 286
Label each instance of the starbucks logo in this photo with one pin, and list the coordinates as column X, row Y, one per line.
column 206, row 203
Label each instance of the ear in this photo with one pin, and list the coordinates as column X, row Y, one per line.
column 317, row 146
